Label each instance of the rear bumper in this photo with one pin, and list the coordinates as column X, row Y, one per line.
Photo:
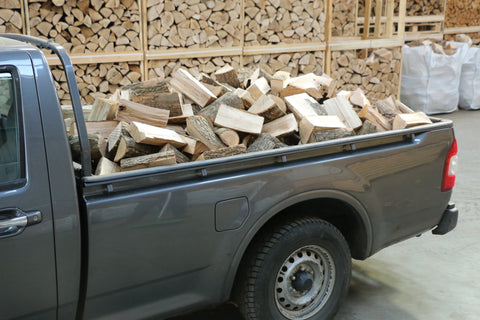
column 449, row 220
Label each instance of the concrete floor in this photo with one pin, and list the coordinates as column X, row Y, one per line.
column 425, row 278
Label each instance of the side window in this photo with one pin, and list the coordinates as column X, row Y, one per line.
column 11, row 166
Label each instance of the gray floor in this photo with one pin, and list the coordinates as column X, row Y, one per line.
column 425, row 278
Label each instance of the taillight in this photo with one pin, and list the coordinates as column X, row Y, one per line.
column 450, row 168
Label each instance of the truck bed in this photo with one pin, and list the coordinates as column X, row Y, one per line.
column 196, row 220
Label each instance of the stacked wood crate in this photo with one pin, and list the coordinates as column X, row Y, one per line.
column 87, row 26
column 463, row 17
column 378, row 75
column 193, row 24
column 284, row 21
column 11, row 20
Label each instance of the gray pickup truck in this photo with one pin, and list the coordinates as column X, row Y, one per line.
column 274, row 231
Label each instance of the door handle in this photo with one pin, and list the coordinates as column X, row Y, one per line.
column 14, row 221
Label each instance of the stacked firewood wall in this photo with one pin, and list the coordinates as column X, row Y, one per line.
column 378, row 75
column 164, row 68
column 96, row 80
column 344, row 18
column 11, row 20
column 193, row 24
column 462, row 13
column 414, row 7
column 293, row 63
column 284, row 21
column 87, row 26
column 154, row 31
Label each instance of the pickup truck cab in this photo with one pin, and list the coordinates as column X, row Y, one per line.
column 275, row 231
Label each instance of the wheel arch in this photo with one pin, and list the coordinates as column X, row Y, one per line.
column 352, row 221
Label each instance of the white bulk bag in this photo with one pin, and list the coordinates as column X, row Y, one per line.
column 470, row 81
column 430, row 80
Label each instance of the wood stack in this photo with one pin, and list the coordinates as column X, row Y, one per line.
column 280, row 21
column 164, row 68
column 414, row 7
column 462, row 13
column 180, row 120
column 11, row 20
column 378, row 75
column 344, row 18
column 193, row 24
column 96, row 80
column 87, row 26
column 293, row 63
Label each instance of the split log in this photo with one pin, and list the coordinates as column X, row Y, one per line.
column 228, row 74
column 266, row 107
column 230, row 99
column 185, row 83
column 331, row 134
column 315, row 86
column 303, row 105
column 246, row 97
column 179, row 157
column 385, row 109
column 147, row 134
column 359, row 99
column 131, row 111
column 187, row 111
column 128, row 148
column 265, row 142
column 101, row 128
column 279, row 81
column 367, row 128
column 93, row 140
column 141, row 92
column 103, row 109
column 312, row 124
column 281, row 127
column 148, row 161
column 259, row 88
column 343, row 109
column 106, row 166
column 199, row 128
column 408, row 120
column 223, row 152
column 229, row 137
column 238, row 120
column 194, row 147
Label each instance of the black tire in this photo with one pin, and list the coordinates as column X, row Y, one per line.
column 305, row 262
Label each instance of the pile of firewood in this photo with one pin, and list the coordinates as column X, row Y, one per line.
column 193, row 24
column 11, row 20
column 187, row 118
column 343, row 18
column 282, row 21
column 378, row 75
column 440, row 47
column 87, row 25
column 96, row 80
column 462, row 13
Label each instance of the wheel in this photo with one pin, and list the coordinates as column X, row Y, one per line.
column 298, row 270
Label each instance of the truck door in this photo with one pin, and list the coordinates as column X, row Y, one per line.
column 28, row 287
